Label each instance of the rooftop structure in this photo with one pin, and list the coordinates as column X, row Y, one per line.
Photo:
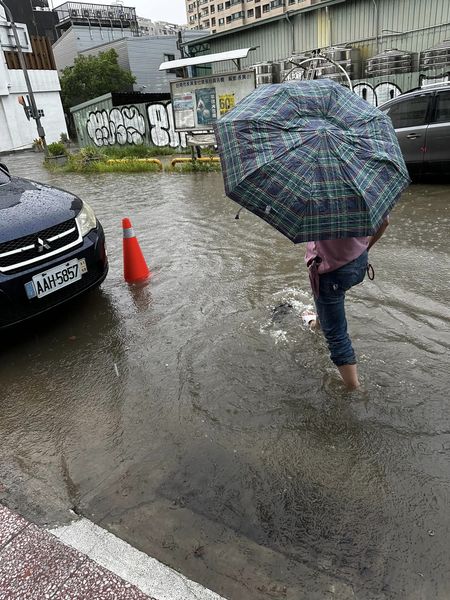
column 113, row 16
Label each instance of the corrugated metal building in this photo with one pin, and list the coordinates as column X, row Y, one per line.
column 369, row 26
column 79, row 38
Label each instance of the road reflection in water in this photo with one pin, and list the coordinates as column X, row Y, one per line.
column 201, row 422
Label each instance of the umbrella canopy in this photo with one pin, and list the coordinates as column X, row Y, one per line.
column 312, row 159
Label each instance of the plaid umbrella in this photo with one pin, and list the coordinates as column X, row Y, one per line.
column 312, row 159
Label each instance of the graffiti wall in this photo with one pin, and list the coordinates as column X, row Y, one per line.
column 381, row 91
column 135, row 125
column 102, row 124
column 378, row 94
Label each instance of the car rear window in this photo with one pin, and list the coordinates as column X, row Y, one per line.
column 409, row 113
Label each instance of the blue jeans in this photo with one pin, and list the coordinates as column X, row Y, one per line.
column 331, row 310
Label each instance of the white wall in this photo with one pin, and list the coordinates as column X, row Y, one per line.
column 16, row 132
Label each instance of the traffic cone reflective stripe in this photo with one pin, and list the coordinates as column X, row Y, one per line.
column 128, row 233
column 135, row 268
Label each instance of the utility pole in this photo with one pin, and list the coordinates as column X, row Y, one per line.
column 35, row 113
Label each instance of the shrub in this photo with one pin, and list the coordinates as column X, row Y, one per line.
column 195, row 166
column 85, row 159
column 37, row 144
column 137, row 151
column 57, row 149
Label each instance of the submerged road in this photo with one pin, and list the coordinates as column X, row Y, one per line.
column 205, row 426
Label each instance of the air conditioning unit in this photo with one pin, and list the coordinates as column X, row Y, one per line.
column 86, row 13
column 127, row 16
column 73, row 12
column 98, row 14
column 110, row 14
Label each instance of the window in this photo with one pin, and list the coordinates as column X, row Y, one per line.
column 276, row 3
column 409, row 113
column 257, row 12
column 291, row 1
column 221, row 21
column 250, row 13
column 237, row 15
column 266, row 8
column 212, row 9
column 220, row 6
column 213, row 22
column 442, row 114
column 167, row 58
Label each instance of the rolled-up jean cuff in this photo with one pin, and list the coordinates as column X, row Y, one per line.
column 340, row 362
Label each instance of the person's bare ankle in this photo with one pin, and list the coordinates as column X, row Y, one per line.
column 351, row 386
column 349, row 376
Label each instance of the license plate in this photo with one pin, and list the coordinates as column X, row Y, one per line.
column 54, row 279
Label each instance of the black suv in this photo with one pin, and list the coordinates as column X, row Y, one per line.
column 421, row 120
column 52, row 248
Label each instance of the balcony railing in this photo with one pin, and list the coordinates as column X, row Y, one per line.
column 81, row 11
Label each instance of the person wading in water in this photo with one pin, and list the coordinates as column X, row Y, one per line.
column 334, row 267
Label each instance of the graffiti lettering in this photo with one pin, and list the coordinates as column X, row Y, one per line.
column 127, row 125
column 426, row 80
column 162, row 128
column 122, row 125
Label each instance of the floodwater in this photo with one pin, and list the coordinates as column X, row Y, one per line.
column 199, row 421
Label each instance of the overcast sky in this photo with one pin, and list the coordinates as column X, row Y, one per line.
column 173, row 11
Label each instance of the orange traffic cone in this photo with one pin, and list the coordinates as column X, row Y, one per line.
column 135, row 268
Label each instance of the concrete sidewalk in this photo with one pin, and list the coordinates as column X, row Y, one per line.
column 85, row 563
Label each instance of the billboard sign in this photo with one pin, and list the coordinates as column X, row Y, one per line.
column 198, row 102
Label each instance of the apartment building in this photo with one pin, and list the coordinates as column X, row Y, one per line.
column 149, row 27
column 220, row 15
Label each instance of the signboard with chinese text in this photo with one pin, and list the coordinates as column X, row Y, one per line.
column 198, row 102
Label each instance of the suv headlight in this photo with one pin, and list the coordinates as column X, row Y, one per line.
column 86, row 219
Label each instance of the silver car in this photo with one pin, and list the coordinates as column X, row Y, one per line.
column 421, row 119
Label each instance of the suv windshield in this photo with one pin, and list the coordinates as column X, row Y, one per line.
column 4, row 178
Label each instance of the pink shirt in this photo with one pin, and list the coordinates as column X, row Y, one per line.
column 336, row 253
